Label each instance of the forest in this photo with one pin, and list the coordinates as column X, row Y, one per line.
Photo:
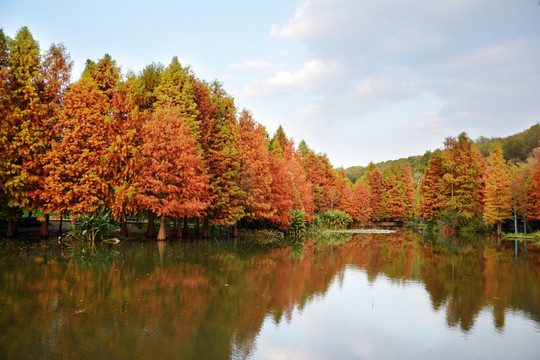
column 163, row 143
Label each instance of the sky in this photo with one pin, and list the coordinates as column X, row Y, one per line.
column 359, row 80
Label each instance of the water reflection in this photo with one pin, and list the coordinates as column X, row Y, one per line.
column 228, row 299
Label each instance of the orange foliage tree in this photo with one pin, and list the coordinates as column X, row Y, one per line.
column 300, row 186
column 321, row 175
column 432, row 204
column 124, row 152
column 463, row 180
column 173, row 181
column 78, row 174
column 374, row 181
column 361, row 212
column 497, row 197
column 534, row 195
column 256, row 175
column 280, row 190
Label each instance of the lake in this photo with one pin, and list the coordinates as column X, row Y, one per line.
column 364, row 296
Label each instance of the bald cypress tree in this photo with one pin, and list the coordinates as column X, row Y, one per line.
column 498, row 204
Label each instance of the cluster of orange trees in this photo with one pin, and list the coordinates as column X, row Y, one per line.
column 161, row 142
column 461, row 189
column 165, row 143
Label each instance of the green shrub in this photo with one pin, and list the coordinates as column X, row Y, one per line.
column 453, row 221
column 298, row 224
column 93, row 227
column 333, row 219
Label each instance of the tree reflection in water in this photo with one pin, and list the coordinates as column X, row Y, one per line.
column 208, row 300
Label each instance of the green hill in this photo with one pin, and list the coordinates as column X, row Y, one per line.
column 516, row 148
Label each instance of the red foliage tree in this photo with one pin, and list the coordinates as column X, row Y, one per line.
column 256, row 178
column 374, row 180
column 361, row 212
column 173, row 181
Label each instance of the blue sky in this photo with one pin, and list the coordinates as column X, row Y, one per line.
column 359, row 80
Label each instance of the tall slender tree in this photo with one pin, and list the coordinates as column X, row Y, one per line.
column 22, row 122
column 173, row 180
column 219, row 140
column 281, row 192
column 256, row 178
column 463, row 180
column 361, row 211
column 374, row 180
column 78, row 174
column 497, row 197
column 124, row 152
column 534, row 194
column 432, row 204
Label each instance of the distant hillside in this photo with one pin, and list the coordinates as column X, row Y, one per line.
column 516, row 148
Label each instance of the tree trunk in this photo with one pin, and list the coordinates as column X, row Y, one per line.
column 197, row 227
column 162, row 229
column 499, row 229
column 151, row 229
column 206, row 230
column 59, row 231
column 175, row 226
column 179, row 232
column 45, row 228
column 12, row 228
column 235, row 230
column 185, row 231
column 123, row 227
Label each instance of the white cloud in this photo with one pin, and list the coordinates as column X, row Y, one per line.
column 478, row 59
column 309, row 78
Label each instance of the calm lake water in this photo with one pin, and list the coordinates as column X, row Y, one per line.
column 391, row 296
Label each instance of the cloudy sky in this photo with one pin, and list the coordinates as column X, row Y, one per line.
column 359, row 80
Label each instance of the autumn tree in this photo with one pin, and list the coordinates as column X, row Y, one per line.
column 77, row 173
column 302, row 189
column 219, row 141
column 256, row 175
column 321, row 175
column 4, row 111
column 374, row 181
column 175, row 89
column 408, row 192
column 300, row 186
column 533, row 200
column 432, row 204
column 497, row 197
column 173, row 181
column 344, row 193
column 361, row 212
column 463, row 180
column 21, row 127
column 124, row 151
column 280, row 190
column 55, row 74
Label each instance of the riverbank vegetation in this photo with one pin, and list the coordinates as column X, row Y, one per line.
column 164, row 144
